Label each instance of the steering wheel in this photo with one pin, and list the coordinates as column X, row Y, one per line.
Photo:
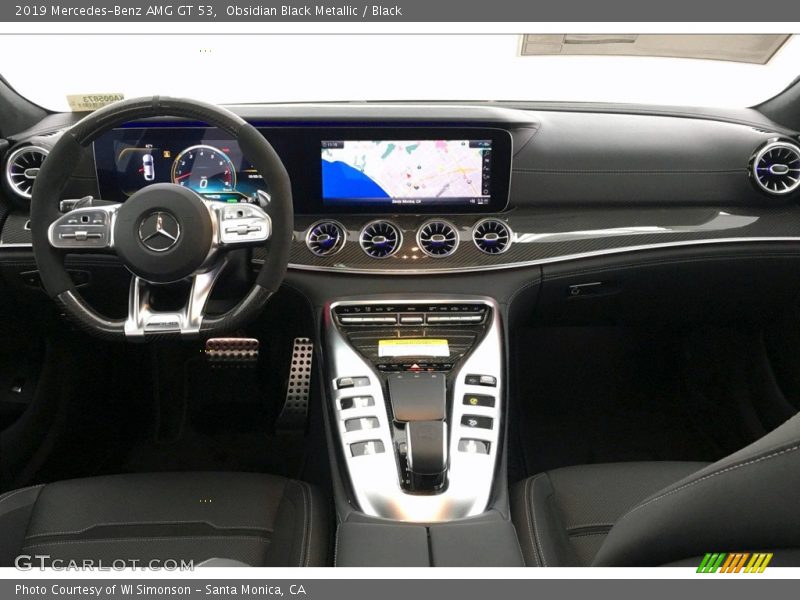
column 164, row 232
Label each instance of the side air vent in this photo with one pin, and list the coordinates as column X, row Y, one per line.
column 380, row 239
column 491, row 236
column 437, row 238
column 776, row 168
column 22, row 167
column 325, row 238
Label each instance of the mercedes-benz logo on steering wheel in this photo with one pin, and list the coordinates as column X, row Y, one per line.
column 159, row 231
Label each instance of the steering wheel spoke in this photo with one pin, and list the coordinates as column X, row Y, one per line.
column 239, row 225
column 85, row 229
column 143, row 320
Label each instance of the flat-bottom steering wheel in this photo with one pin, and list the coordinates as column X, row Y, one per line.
column 164, row 232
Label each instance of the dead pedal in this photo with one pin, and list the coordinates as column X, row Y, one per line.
column 232, row 351
column 298, row 391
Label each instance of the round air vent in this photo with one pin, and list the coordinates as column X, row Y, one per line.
column 437, row 238
column 776, row 168
column 325, row 238
column 22, row 167
column 380, row 239
column 491, row 236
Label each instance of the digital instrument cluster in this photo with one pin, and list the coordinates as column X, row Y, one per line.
column 202, row 158
column 333, row 169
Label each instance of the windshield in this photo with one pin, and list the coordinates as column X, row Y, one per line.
column 236, row 69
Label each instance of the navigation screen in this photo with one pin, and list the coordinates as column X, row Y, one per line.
column 377, row 173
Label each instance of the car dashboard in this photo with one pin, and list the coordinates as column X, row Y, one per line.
column 396, row 189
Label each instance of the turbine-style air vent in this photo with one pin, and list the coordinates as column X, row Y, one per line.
column 380, row 239
column 437, row 238
column 776, row 168
column 22, row 167
column 491, row 236
column 325, row 238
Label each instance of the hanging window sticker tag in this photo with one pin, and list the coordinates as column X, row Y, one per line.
column 91, row 102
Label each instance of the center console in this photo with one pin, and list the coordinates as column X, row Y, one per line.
column 416, row 386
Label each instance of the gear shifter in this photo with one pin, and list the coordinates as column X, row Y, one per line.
column 426, row 443
column 418, row 400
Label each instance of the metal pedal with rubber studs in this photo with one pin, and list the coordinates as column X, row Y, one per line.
column 232, row 351
column 298, row 391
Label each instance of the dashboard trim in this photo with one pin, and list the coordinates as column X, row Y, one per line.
column 535, row 262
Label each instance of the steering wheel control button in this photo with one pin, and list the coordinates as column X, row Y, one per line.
column 86, row 228
column 357, row 402
column 361, row 424
column 367, row 448
column 471, row 446
column 485, row 380
column 477, row 422
column 350, row 382
column 479, row 400
column 243, row 223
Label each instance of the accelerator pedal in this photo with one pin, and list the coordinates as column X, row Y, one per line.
column 298, row 391
column 232, row 351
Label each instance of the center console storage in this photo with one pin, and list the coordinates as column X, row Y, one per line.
column 488, row 541
column 416, row 387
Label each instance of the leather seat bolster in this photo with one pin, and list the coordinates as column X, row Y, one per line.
column 16, row 508
column 247, row 517
column 744, row 502
column 563, row 516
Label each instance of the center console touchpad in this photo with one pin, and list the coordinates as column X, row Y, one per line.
column 417, row 396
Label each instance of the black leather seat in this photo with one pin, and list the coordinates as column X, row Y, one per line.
column 259, row 520
column 658, row 513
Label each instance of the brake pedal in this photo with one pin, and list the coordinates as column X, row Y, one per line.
column 232, row 351
column 298, row 391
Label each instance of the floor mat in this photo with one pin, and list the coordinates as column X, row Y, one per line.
column 217, row 419
column 603, row 394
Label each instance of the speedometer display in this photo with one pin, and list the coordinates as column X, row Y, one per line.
column 205, row 169
column 206, row 160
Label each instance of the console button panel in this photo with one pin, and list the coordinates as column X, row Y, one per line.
column 374, row 442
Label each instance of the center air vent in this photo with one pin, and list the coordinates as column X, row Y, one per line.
column 380, row 239
column 325, row 238
column 22, row 168
column 776, row 168
column 437, row 238
column 491, row 236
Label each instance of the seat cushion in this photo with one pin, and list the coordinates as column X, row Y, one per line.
column 257, row 519
column 563, row 516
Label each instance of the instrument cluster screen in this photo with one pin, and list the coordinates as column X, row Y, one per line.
column 201, row 158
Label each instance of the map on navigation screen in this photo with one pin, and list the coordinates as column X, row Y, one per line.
column 406, row 171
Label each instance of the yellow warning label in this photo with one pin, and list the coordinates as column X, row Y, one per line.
column 413, row 347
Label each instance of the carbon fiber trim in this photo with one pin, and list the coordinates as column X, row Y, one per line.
column 14, row 230
column 549, row 235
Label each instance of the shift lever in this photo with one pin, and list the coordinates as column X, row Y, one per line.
column 419, row 401
column 426, row 443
